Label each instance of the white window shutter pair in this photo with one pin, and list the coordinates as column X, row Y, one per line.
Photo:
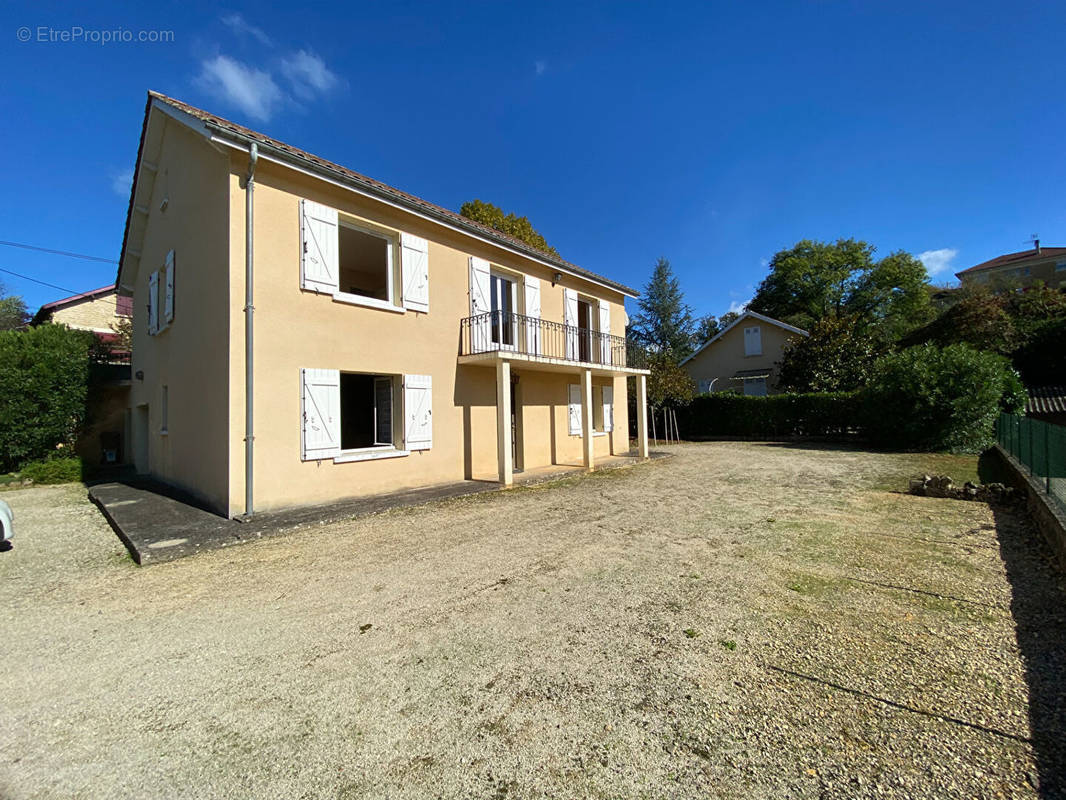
column 418, row 412
column 480, row 304
column 574, row 409
column 319, row 266
column 753, row 341
column 414, row 263
column 320, row 413
column 532, row 292
column 605, row 332
column 153, row 303
column 168, row 305
column 570, row 320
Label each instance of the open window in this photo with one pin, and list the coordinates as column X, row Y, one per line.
column 364, row 263
column 367, row 411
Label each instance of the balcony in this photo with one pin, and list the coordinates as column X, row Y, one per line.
column 497, row 335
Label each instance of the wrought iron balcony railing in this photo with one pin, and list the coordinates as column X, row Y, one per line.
column 498, row 331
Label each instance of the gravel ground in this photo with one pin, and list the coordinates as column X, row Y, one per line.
column 742, row 620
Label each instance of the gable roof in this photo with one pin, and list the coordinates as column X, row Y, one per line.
column 55, row 305
column 224, row 132
column 737, row 321
column 1014, row 258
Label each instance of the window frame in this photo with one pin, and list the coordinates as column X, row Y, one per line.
column 392, row 240
column 376, row 451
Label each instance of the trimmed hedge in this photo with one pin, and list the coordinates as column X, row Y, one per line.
column 772, row 417
column 53, row 470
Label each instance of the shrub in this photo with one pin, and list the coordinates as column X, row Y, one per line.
column 775, row 416
column 44, row 374
column 53, row 470
column 928, row 398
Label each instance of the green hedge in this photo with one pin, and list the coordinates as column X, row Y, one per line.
column 53, row 470
column 772, row 417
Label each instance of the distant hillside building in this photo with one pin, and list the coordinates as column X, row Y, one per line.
column 1044, row 264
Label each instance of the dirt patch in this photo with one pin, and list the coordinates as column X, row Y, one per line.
column 742, row 620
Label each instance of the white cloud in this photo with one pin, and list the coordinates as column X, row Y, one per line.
column 738, row 308
column 122, row 182
column 251, row 90
column 937, row 261
column 540, row 67
column 242, row 27
column 308, row 74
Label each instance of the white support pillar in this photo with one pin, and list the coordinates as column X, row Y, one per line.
column 503, row 422
column 642, row 416
column 587, row 442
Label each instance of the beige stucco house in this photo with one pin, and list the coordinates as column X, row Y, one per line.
column 303, row 333
column 1044, row 264
column 742, row 358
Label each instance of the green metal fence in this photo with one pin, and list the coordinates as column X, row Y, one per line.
column 1040, row 447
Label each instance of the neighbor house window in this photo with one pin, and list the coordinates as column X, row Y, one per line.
column 755, row 387
column 1060, row 266
column 367, row 412
column 753, row 341
column 364, row 263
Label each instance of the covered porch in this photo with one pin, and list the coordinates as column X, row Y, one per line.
column 596, row 426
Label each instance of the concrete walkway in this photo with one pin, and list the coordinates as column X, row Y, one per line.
column 158, row 523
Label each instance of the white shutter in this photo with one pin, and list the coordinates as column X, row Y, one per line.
column 480, row 304
column 319, row 268
column 533, row 312
column 605, row 332
column 320, row 409
column 153, row 302
column 168, row 306
column 574, row 409
column 608, row 408
column 414, row 262
column 570, row 320
column 753, row 341
column 418, row 412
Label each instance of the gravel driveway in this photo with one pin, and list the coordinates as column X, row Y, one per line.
column 739, row 621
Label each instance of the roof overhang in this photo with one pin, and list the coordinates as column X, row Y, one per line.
column 737, row 321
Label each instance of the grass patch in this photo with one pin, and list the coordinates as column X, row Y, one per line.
column 812, row 585
column 728, row 644
column 691, row 633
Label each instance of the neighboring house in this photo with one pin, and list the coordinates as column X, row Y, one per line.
column 394, row 344
column 742, row 358
column 1044, row 264
column 106, row 435
column 1047, row 403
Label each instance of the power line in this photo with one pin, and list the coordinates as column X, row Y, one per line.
column 58, row 253
column 43, row 283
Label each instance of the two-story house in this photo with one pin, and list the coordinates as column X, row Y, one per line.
column 303, row 333
column 1013, row 270
column 743, row 357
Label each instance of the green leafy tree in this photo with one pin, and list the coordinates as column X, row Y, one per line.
column 835, row 357
column 727, row 319
column 815, row 280
column 664, row 323
column 707, row 328
column 511, row 224
column 932, row 398
column 13, row 314
column 669, row 384
column 44, row 376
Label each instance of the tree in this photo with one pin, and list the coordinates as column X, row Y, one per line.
column 669, row 384
column 707, row 328
column 13, row 314
column 836, row 357
column 727, row 319
column 664, row 323
column 815, row 280
column 44, row 374
column 518, row 227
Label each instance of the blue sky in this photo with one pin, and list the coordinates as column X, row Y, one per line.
column 713, row 134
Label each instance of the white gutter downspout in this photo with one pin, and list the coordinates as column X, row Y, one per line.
column 249, row 329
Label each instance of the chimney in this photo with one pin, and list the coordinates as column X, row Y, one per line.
column 1036, row 245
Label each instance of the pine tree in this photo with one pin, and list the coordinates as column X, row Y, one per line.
column 664, row 324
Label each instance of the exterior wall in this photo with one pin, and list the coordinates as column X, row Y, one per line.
column 95, row 315
column 190, row 356
column 297, row 329
column 1040, row 269
column 725, row 358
